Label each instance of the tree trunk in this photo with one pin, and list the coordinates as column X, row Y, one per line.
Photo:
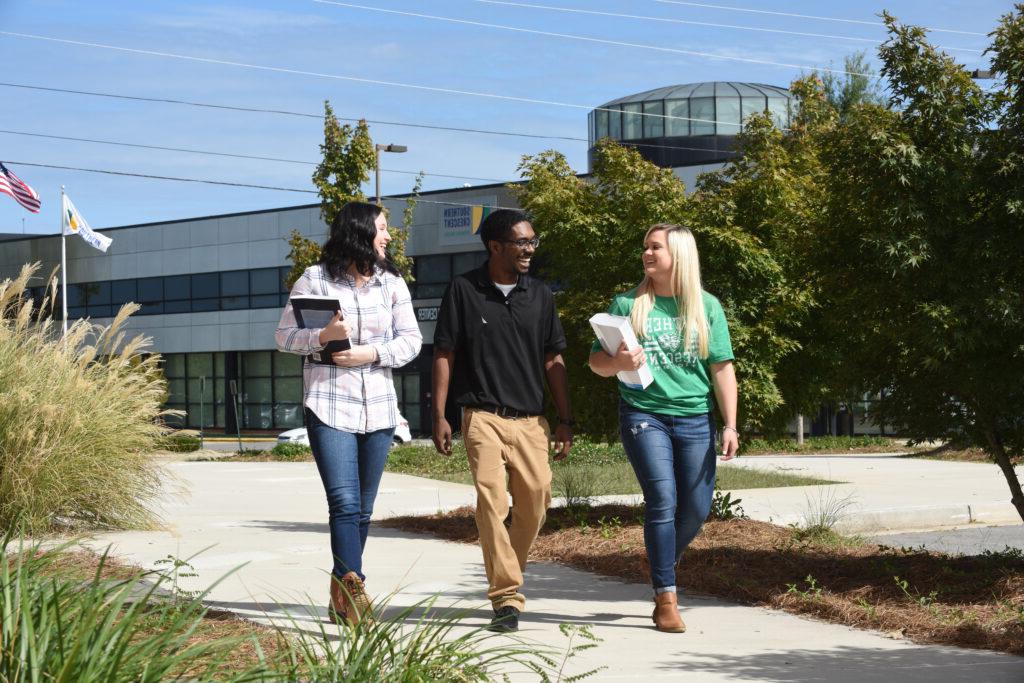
column 799, row 429
column 1003, row 460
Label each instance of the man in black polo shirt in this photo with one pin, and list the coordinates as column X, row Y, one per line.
column 497, row 338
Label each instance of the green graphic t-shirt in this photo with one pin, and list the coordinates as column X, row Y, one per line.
column 682, row 381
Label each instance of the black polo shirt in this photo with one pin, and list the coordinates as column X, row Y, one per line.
column 500, row 343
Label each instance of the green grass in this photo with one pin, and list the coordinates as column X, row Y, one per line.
column 825, row 444
column 591, row 470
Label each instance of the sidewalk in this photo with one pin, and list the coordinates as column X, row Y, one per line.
column 272, row 516
column 885, row 492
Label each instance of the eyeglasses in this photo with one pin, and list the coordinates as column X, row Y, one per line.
column 523, row 243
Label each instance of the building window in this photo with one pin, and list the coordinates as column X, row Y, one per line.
column 287, row 390
column 727, row 114
column 632, row 121
column 778, row 107
column 467, row 261
column 654, row 123
column 600, row 124
column 234, row 290
column 407, row 391
column 433, row 273
column 751, row 106
column 702, row 116
column 614, row 123
column 678, row 123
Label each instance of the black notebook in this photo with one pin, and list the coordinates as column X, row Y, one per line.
column 315, row 312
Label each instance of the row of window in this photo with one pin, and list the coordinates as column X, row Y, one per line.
column 267, row 386
column 683, row 117
column 223, row 291
column 233, row 289
column 434, row 272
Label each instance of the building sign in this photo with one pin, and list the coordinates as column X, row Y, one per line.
column 427, row 314
column 460, row 223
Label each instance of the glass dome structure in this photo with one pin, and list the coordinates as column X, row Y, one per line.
column 685, row 125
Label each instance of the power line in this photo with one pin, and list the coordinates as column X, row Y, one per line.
column 619, row 15
column 160, row 177
column 805, row 16
column 283, row 112
column 161, row 100
column 226, row 154
column 588, row 39
column 230, row 184
column 354, row 79
column 278, row 69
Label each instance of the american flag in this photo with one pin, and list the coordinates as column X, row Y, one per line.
column 16, row 187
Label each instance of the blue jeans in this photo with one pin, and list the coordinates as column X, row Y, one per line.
column 674, row 461
column 350, row 466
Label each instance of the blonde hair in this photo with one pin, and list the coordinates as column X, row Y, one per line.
column 686, row 289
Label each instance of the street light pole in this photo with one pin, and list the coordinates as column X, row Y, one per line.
column 377, row 149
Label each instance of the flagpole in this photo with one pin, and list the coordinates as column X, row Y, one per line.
column 63, row 265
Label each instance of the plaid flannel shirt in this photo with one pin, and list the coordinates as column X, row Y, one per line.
column 359, row 399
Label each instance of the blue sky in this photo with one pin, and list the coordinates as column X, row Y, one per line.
column 306, row 37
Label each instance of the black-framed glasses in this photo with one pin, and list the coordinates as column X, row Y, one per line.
column 524, row 243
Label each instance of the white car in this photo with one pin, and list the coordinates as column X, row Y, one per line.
column 402, row 434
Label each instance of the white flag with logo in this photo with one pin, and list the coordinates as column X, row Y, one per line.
column 74, row 224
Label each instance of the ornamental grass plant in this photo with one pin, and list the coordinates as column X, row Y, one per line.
column 79, row 416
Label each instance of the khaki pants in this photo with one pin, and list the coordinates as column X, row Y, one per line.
column 519, row 447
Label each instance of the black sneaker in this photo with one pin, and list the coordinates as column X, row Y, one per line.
column 506, row 620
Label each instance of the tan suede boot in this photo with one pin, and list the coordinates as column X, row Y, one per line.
column 357, row 602
column 666, row 613
column 337, row 608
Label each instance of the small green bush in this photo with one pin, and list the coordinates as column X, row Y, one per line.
column 79, row 416
column 291, row 451
column 180, row 442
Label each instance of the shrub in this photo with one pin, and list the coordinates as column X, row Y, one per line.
column 180, row 442
column 79, row 417
column 291, row 451
column 142, row 628
column 57, row 627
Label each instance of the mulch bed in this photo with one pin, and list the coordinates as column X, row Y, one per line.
column 926, row 597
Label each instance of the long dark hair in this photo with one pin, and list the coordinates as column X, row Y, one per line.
column 350, row 241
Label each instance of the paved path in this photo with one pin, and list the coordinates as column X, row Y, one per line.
column 272, row 517
column 960, row 541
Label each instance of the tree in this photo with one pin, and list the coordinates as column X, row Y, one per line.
column 857, row 86
column 608, row 216
column 348, row 157
column 922, row 243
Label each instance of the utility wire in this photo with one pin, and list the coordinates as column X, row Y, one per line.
column 159, row 177
column 354, row 79
column 619, row 15
column 226, row 154
column 283, row 112
column 340, row 118
column 231, row 184
column 805, row 16
column 588, row 39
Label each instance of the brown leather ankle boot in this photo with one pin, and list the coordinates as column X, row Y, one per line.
column 357, row 602
column 666, row 613
column 337, row 608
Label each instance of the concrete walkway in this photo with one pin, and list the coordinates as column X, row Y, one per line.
column 271, row 517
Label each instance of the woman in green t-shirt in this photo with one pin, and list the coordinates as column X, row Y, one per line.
column 668, row 429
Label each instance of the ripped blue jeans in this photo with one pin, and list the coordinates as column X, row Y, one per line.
column 674, row 461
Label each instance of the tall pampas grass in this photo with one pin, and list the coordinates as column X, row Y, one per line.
column 79, row 416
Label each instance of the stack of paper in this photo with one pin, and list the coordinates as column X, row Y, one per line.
column 611, row 331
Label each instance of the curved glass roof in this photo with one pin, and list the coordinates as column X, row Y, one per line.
column 691, row 109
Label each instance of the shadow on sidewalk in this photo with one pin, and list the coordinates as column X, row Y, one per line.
column 855, row 665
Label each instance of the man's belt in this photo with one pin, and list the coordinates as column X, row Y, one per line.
column 502, row 411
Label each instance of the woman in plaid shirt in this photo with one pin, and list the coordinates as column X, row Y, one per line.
column 350, row 407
